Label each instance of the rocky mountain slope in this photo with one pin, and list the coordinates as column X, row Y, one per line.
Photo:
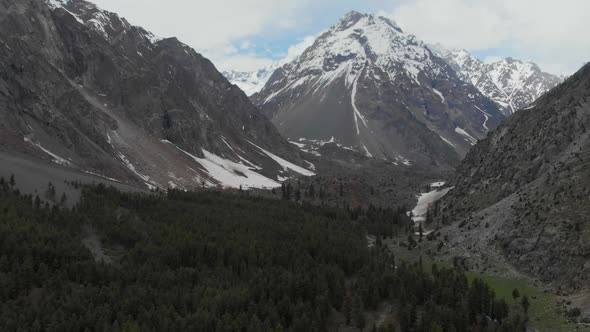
column 513, row 84
column 85, row 89
column 522, row 195
column 368, row 85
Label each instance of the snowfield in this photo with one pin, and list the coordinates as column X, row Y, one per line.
column 231, row 174
column 286, row 164
column 425, row 200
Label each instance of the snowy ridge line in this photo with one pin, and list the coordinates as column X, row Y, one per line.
column 383, row 45
column 99, row 20
column 511, row 83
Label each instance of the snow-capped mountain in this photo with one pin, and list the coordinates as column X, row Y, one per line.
column 250, row 81
column 512, row 84
column 85, row 89
column 370, row 86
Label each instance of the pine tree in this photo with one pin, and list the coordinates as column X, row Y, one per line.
column 357, row 313
column 311, row 191
column 12, row 181
column 347, row 308
column 525, row 305
column 420, row 231
column 50, row 193
column 515, row 294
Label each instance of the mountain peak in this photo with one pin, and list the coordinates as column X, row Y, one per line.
column 362, row 78
column 354, row 18
column 511, row 83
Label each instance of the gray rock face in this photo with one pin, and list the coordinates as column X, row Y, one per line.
column 372, row 87
column 86, row 89
column 529, row 183
column 513, row 84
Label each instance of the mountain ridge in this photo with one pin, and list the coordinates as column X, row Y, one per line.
column 513, row 84
column 366, row 55
column 88, row 90
column 523, row 191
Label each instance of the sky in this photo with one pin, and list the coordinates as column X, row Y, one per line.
column 250, row 34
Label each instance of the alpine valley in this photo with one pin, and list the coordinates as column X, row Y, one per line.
column 369, row 182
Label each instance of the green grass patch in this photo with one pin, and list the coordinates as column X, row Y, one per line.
column 543, row 312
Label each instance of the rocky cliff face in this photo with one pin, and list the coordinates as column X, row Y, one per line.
column 368, row 85
column 513, row 84
column 523, row 193
column 86, row 89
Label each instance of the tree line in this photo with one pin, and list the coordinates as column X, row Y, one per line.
column 212, row 261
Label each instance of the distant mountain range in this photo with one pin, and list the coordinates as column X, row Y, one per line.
column 512, row 84
column 250, row 82
column 367, row 85
column 83, row 88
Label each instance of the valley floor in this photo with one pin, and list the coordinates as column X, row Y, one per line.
column 547, row 312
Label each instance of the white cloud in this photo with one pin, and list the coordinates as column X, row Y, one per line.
column 246, row 44
column 240, row 62
column 298, row 49
column 211, row 27
column 549, row 32
column 251, row 62
column 492, row 59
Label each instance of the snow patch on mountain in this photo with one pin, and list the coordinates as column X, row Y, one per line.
column 231, row 174
column 357, row 113
column 442, row 98
column 285, row 164
column 425, row 201
column 152, row 185
column 448, row 142
column 487, row 118
column 56, row 159
column 472, row 140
